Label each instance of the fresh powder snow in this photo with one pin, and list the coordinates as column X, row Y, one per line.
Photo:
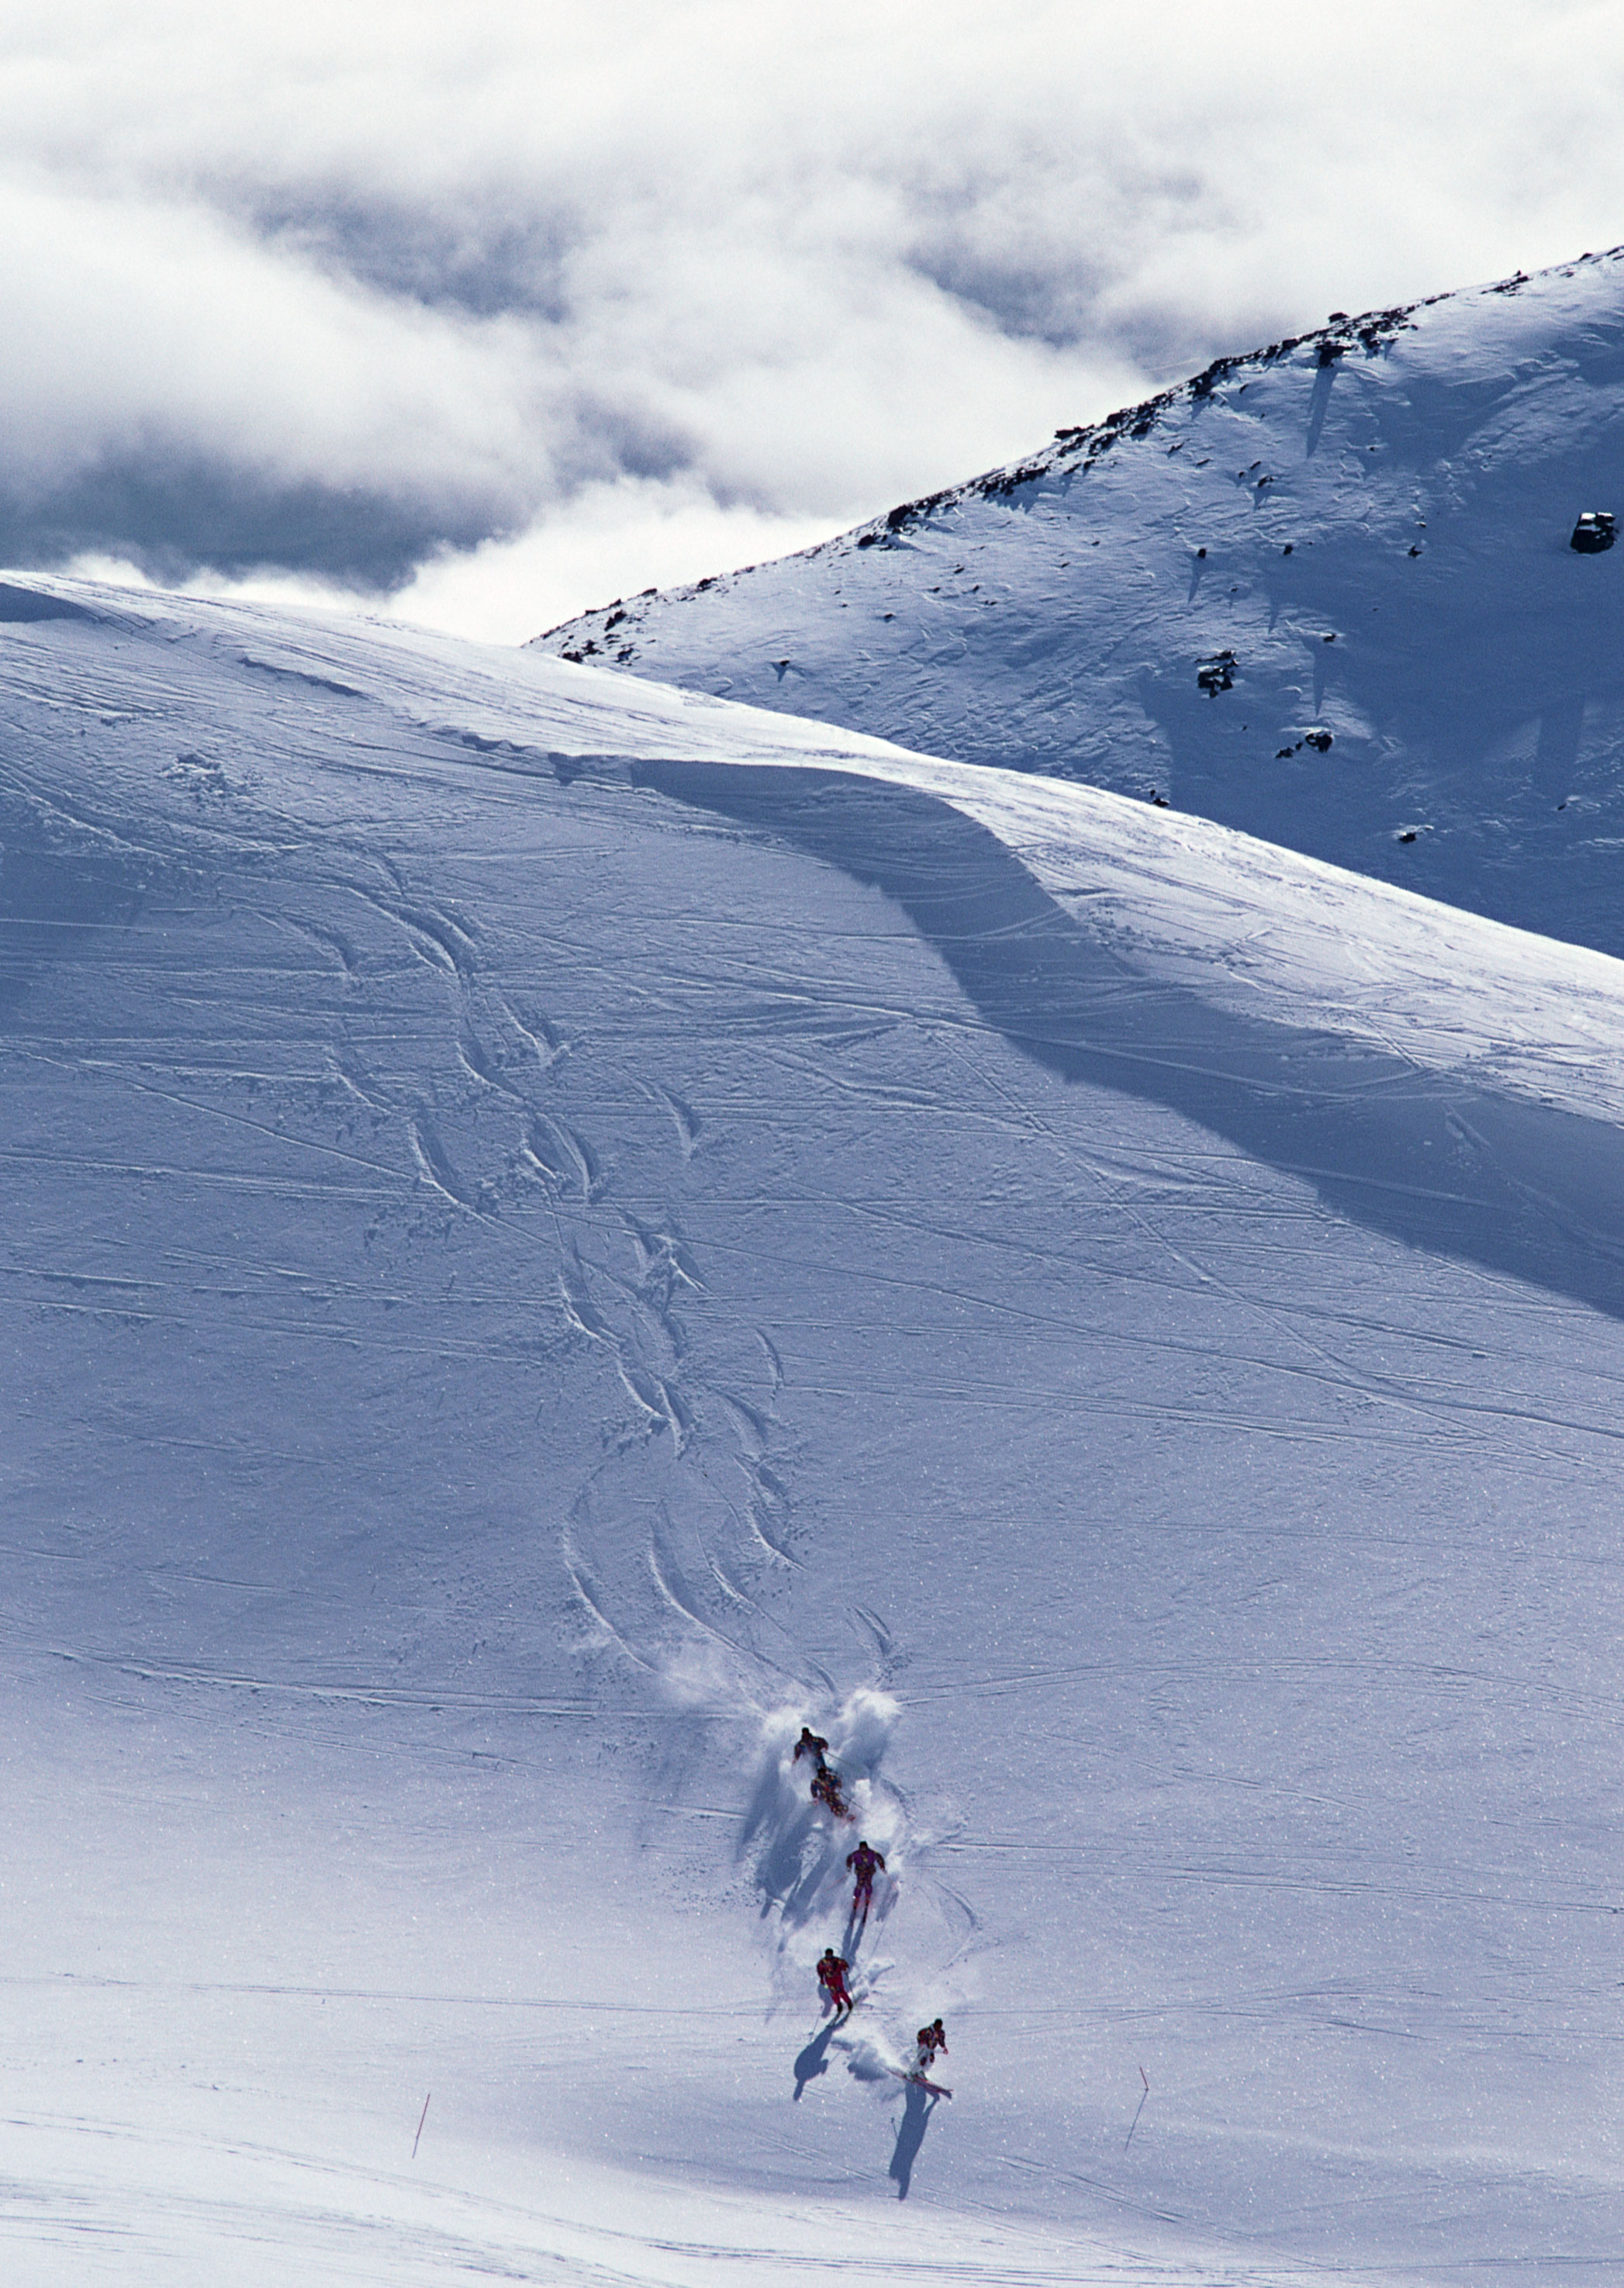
column 560, row 1231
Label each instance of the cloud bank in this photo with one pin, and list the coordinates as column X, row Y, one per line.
column 495, row 308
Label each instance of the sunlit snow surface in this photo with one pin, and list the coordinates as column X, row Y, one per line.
column 1425, row 682
column 554, row 1232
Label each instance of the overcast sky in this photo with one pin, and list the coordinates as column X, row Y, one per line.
column 491, row 311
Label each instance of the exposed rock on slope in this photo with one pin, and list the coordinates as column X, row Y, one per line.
column 1323, row 592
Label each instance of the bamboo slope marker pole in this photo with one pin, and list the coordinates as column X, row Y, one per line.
column 1133, row 2124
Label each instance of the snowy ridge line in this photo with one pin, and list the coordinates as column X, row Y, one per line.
column 1398, row 1098
column 1257, row 930
column 468, row 707
column 1246, row 924
column 1331, row 602
column 1073, row 450
column 1251, row 926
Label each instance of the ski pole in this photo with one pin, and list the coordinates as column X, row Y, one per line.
column 1138, row 2109
column 422, row 2117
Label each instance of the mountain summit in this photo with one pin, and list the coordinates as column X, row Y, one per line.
column 1323, row 592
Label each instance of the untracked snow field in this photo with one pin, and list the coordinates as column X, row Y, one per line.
column 555, row 1230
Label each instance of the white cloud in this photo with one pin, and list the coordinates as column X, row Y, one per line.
column 329, row 291
column 155, row 323
column 607, row 542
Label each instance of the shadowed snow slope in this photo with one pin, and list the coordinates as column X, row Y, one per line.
column 1373, row 522
column 557, row 1231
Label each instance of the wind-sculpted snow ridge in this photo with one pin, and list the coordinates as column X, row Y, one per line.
column 558, row 1230
column 1322, row 593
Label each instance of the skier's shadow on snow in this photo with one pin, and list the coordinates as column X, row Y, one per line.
column 910, row 2136
column 789, row 1877
column 1520, row 1187
column 815, row 2059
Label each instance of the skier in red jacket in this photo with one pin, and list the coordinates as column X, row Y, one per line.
column 931, row 2039
column 866, row 1862
column 832, row 1970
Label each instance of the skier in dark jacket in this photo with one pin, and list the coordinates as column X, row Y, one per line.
column 866, row 1862
column 931, row 2039
column 810, row 1745
column 832, row 1970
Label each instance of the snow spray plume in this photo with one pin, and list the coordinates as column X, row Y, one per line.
column 798, row 1850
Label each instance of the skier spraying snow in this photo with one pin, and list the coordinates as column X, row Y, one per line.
column 931, row 2039
column 826, row 1789
column 811, row 1744
column 832, row 1970
column 866, row 1862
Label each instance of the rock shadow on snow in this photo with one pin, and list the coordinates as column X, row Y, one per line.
column 1523, row 1189
column 1318, row 405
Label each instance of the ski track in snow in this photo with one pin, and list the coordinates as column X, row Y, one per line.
column 543, row 1271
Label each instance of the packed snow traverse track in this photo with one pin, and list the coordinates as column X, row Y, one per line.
column 1322, row 592
column 559, row 1231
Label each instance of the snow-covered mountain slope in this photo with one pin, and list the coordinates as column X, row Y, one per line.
column 1364, row 535
column 556, row 1230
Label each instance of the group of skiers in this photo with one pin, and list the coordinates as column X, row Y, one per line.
column 863, row 1864
column 826, row 1780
